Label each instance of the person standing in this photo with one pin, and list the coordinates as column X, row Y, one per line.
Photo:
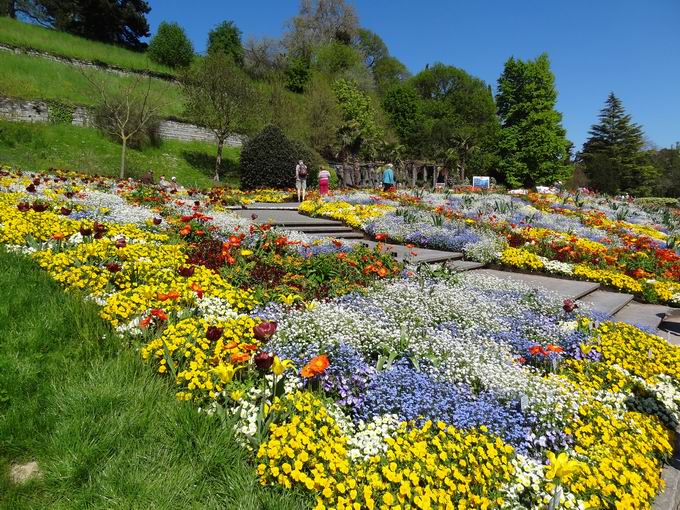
column 388, row 178
column 301, row 180
column 324, row 180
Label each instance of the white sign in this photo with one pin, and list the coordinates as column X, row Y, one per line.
column 481, row 182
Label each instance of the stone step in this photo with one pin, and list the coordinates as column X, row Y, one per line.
column 312, row 229
column 414, row 255
column 267, row 206
column 335, row 235
column 606, row 302
column 566, row 289
column 641, row 314
column 285, row 218
column 464, row 265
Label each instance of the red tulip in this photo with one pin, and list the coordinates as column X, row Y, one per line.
column 157, row 221
column 186, row 271
column 23, row 206
column 264, row 331
column 38, row 207
column 30, row 188
column 85, row 232
column 113, row 267
column 263, row 360
column 213, row 333
column 569, row 306
column 121, row 243
column 65, row 211
column 69, row 194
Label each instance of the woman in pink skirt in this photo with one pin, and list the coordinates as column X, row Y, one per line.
column 324, row 179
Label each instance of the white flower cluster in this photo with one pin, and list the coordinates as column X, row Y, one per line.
column 486, row 250
column 112, row 208
column 368, row 439
column 557, row 267
column 215, row 309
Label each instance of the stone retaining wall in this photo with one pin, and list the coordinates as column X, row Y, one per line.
column 39, row 111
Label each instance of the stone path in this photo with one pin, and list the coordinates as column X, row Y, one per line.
column 619, row 305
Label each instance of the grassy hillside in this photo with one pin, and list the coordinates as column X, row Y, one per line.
column 38, row 78
column 105, row 432
column 43, row 146
column 16, row 33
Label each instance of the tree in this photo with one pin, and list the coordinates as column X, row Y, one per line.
column 113, row 21
column 667, row 163
column 297, row 74
column 269, row 158
column 170, row 46
column 371, row 47
column 322, row 116
column 334, row 58
column 612, row 157
column 125, row 111
column 404, row 110
column 389, row 71
column 221, row 98
column 459, row 117
column 358, row 127
column 532, row 142
column 226, row 37
column 320, row 22
column 263, row 57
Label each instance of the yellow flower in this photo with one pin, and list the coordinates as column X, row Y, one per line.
column 236, row 395
column 561, row 466
column 289, row 299
column 225, row 372
column 279, row 366
column 246, row 253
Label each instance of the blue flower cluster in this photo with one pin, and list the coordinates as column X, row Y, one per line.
column 347, row 376
column 413, row 395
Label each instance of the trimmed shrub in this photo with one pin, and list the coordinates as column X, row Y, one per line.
column 657, row 202
column 268, row 160
column 171, row 46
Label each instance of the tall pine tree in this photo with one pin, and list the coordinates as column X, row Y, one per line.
column 612, row 157
column 532, row 146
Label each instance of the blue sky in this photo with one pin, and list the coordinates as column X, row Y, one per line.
column 631, row 47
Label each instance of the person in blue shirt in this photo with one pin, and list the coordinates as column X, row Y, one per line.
column 388, row 177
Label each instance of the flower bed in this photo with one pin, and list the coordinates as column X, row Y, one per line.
column 566, row 236
column 352, row 378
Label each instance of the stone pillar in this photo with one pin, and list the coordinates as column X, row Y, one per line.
column 414, row 175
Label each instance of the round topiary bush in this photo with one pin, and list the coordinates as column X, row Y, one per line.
column 171, row 46
column 268, row 160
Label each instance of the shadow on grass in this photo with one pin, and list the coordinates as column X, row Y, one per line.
column 205, row 163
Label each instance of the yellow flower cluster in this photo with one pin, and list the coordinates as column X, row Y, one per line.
column 624, row 452
column 521, row 258
column 580, row 243
column 353, row 215
column 17, row 227
column 201, row 366
column 642, row 354
column 595, row 376
column 433, row 466
column 612, row 278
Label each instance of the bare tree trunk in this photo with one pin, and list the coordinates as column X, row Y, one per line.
column 218, row 160
column 122, row 157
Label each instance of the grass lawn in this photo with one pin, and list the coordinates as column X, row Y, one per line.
column 104, row 430
column 25, row 35
column 42, row 146
column 39, row 78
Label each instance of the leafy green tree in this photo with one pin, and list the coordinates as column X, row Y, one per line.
column 612, row 157
column 358, row 127
column 297, row 74
column 220, row 97
column 460, row 116
column 334, row 58
column 532, row 145
column 404, row 110
column 389, row 71
column 371, row 47
column 322, row 117
column 667, row 163
column 113, row 21
column 170, row 46
column 226, row 38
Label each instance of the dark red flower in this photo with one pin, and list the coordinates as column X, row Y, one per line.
column 253, row 216
column 263, row 360
column 157, row 221
column 38, row 207
column 213, row 333
column 113, row 267
column 264, row 331
column 23, row 206
column 30, row 188
column 569, row 306
column 65, row 211
column 121, row 243
column 84, row 231
column 186, row 271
